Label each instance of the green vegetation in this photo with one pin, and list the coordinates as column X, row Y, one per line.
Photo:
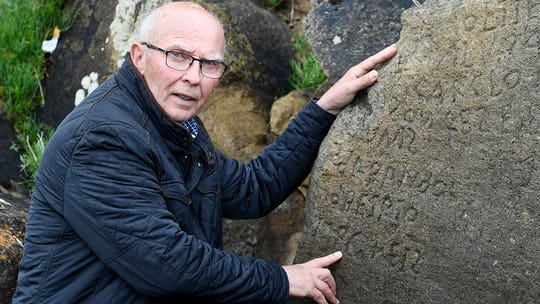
column 30, row 160
column 23, row 27
column 274, row 3
column 307, row 71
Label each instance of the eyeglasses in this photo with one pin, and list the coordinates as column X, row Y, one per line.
column 180, row 61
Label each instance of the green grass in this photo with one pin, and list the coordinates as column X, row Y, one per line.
column 23, row 27
column 307, row 70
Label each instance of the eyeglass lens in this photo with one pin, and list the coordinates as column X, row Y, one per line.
column 182, row 61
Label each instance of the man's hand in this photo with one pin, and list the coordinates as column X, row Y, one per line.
column 357, row 78
column 313, row 280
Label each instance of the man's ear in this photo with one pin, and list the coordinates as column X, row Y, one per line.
column 138, row 57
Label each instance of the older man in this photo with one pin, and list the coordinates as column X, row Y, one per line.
column 130, row 194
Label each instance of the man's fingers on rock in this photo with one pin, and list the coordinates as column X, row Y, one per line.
column 327, row 292
column 331, row 283
column 379, row 57
column 323, row 262
column 365, row 81
column 327, row 260
column 318, row 296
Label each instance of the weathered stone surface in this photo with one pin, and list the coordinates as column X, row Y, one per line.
column 236, row 120
column 9, row 159
column 430, row 183
column 259, row 46
column 12, row 225
column 285, row 109
column 293, row 13
column 346, row 32
column 274, row 237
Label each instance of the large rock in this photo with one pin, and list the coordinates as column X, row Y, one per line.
column 285, row 109
column 228, row 115
column 346, row 32
column 12, row 225
column 430, row 183
column 259, row 47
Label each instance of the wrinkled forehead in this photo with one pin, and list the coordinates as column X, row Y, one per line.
column 189, row 25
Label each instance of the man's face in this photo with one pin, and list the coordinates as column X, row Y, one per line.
column 180, row 94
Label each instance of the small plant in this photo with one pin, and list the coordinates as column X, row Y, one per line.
column 301, row 45
column 274, row 3
column 307, row 70
column 34, row 151
column 307, row 73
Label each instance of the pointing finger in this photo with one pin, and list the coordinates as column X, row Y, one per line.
column 372, row 61
column 326, row 260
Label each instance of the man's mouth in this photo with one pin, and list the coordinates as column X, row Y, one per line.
column 185, row 97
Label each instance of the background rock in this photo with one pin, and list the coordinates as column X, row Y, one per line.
column 10, row 172
column 274, row 237
column 259, row 47
column 12, row 225
column 292, row 12
column 286, row 108
column 346, row 32
column 83, row 49
column 429, row 184
column 236, row 119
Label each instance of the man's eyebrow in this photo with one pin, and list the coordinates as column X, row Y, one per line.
column 183, row 48
column 180, row 47
column 215, row 58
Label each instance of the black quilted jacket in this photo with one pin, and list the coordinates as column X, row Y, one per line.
column 128, row 208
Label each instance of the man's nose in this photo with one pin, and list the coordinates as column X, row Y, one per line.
column 193, row 73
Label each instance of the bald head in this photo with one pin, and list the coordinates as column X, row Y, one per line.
column 162, row 20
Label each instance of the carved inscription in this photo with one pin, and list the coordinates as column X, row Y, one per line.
column 390, row 214
column 382, row 209
column 400, row 253
column 379, row 177
column 398, row 137
column 443, row 168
